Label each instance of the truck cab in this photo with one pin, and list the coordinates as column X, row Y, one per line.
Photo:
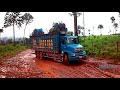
column 71, row 48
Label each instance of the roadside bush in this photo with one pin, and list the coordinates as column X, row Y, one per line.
column 10, row 50
column 102, row 46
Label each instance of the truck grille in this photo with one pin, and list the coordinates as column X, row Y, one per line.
column 80, row 53
column 78, row 49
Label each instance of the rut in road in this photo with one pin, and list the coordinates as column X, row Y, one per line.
column 25, row 65
column 72, row 71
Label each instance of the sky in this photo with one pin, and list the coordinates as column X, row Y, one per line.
column 45, row 20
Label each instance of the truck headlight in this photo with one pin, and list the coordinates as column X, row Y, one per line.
column 81, row 49
column 78, row 49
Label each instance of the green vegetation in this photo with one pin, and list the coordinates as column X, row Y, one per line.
column 107, row 46
column 10, row 50
column 15, row 18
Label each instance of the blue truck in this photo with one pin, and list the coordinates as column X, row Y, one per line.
column 61, row 47
column 59, row 44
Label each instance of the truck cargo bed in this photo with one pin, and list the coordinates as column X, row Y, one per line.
column 46, row 43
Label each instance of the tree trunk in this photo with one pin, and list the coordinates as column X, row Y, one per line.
column 0, row 38
column 13, row 35
column 24, row 34
column 100, row 31
column 115, row 31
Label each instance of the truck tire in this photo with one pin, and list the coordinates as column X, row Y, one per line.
column 36, row 53
column 41, row 55
column 65, row 59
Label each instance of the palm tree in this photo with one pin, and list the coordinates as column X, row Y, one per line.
column 27, row 19
column 12, row 19
column 115, row 25
column 113, row 21
column 100, row 26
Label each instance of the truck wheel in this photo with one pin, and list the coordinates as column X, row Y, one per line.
column 41, row 55
column 36, row 53
column 65, row 59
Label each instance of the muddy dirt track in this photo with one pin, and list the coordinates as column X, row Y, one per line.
column 25, row 65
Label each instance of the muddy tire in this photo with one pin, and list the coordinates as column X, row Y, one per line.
column 41, row 55
column 36, row 54
column 65, row 59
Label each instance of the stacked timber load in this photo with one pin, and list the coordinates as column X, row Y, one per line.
column 57, row 27
column 37, row 32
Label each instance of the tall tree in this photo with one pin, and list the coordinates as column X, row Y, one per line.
column 12, row 19
column 100, row 26
column 27, row 18
column 1, row 30
column 113, row 21
column 115, row 25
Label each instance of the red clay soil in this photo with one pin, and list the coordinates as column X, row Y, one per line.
column 25, row 65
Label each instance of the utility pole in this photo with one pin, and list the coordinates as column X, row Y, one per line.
column 93, row 30
column 75, row 14
column 84, row 27
column 75, row 23
column 83, row 24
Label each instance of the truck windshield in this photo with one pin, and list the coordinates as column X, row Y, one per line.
column 72, row 41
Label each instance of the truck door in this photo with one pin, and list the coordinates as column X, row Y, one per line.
column 63, row 44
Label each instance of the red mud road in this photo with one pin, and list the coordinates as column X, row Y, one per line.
column 25, row 65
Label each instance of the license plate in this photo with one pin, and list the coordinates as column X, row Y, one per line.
column 80, row 56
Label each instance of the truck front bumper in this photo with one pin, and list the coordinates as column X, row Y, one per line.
column 78, row 56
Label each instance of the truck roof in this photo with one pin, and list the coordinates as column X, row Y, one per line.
column 70, row 36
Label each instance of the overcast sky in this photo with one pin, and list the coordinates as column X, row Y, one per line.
column 45, row 20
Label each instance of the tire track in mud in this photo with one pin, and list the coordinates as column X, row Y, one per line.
column 95, row 72
column 103, row 72
column 25, row 65
column 43, row 66
column 78, row 71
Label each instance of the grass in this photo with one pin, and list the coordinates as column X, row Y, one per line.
column 10, row 50
column 102, row 46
